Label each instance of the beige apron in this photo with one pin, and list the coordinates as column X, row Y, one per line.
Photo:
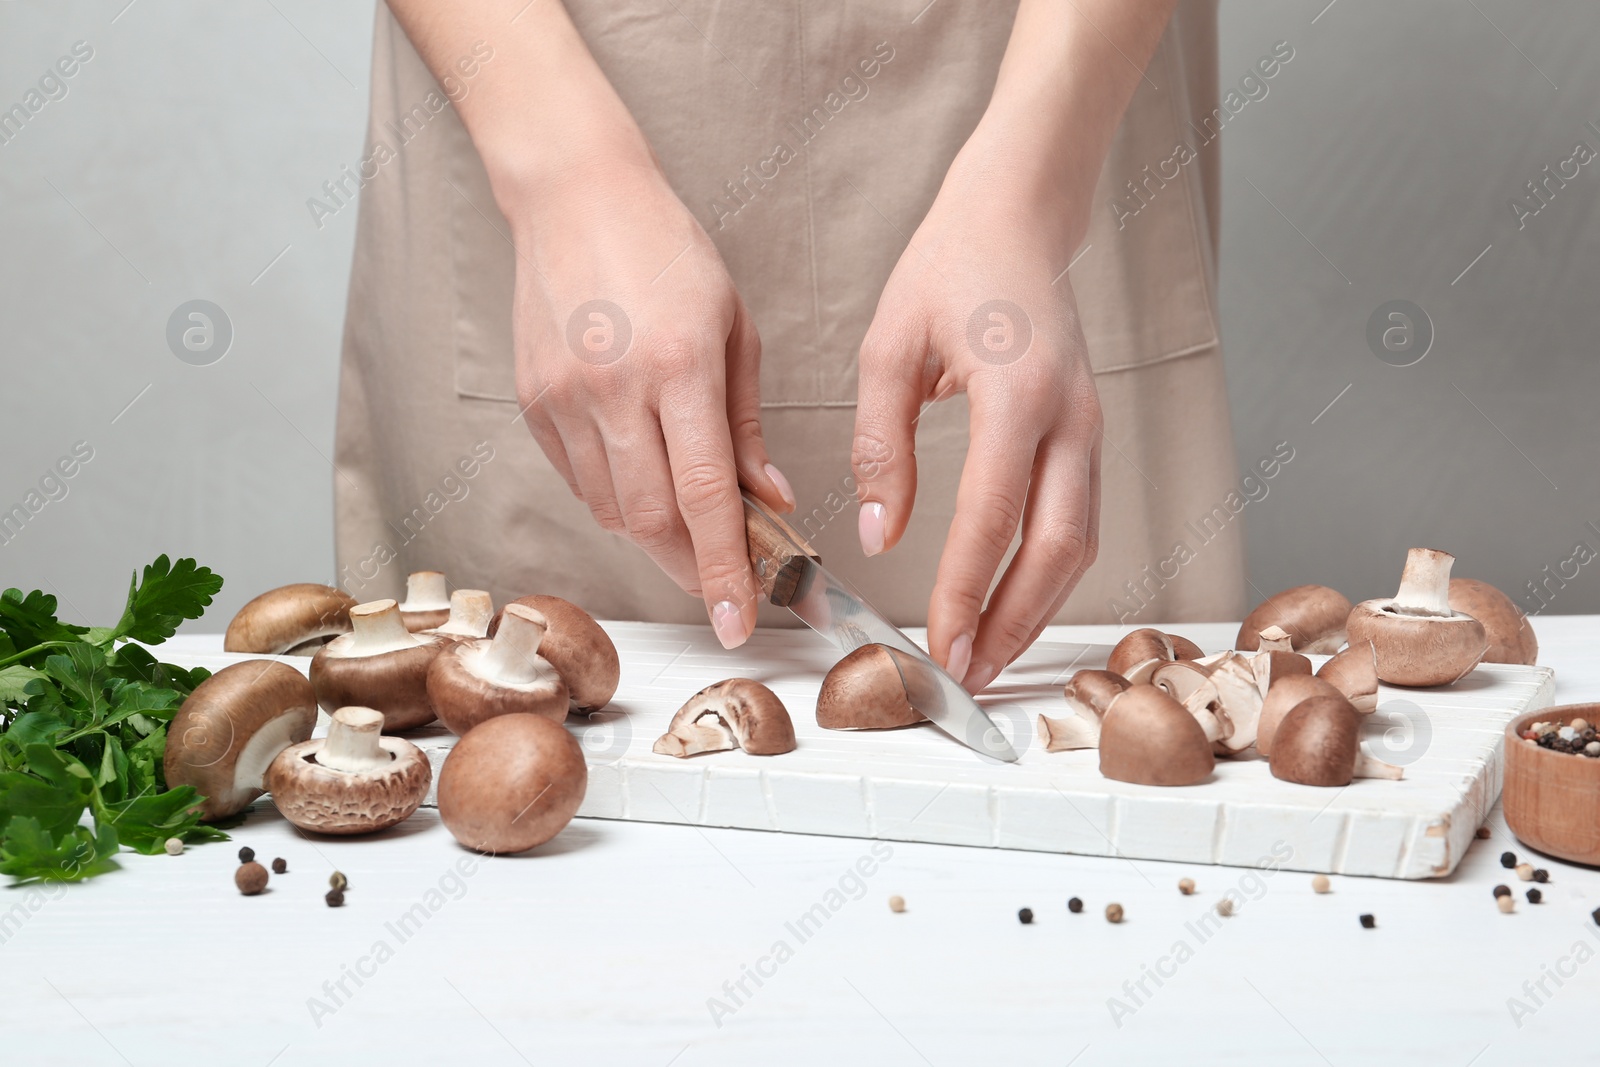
column 436, row 471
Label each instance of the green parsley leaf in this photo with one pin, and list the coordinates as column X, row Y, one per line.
column 29, row 852
column 168, row 594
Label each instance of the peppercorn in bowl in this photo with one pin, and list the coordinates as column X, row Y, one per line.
column 1552, row 783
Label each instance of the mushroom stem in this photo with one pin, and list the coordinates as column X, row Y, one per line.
column 513, row 654
column 1372, row 767
column 426, row 590
column 378, row 628
column 1425, row 583
column 470, row 612
column 352, row 744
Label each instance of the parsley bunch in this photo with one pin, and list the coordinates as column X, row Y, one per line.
column 83, row 727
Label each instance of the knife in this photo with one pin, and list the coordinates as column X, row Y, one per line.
column 790, row 575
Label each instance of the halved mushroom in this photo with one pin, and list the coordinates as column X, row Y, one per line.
column 1313, row 616
column 231, row 728
column 1088, row 694
column 379, row 665
column 1141, row 651
column 511, row 783
column 578, row 648
column 1354, row 672
column 1511, row 636
column 353, row 781
column 1184, row 648
column 427, row 602
column 292, row 620
column 1235, row 679
column 864, row 691
column 474, row 680
column 1319, row 743
column 1288, row 692
column 1419, row 639
column 1150, row 739
column 1190, row 685
column 470, row 612
column 737, row 713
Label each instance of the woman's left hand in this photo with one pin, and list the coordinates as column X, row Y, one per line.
column 980, row 303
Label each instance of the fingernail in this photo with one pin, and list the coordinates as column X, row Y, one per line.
column 870, row 526
column 960, row 657
column 785, row 490
column 977, row 677
column 728, row 622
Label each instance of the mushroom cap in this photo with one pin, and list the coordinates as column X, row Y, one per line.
column 1317, row 742
column 511, row 783
column 1313, row 615
column 463, row 695
column 1183, row 648
column 737, row 713
column 578, row 648
column 864, row 691
column 1094, row 689
column 1286, row 692
column 329, row 801
column 1138, row 646
column 1510, row 633
column 1354, row 672
column 394, row 679
column 1148, row 738
column 229, row 729
column 281, row 620
column 1416, row 649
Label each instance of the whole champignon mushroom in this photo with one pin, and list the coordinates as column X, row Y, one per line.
column 1419, row 640
column 1282, row 698
column 381, row 665
column 1088, row 694
column 353, row 781
column 511, row 783
column 1511, row 636
column 1319, row 743
column 1150, row 739
column 864, row 691
column 470, row 612
column 231, row 727
column 427, row 602
column 1314, row 617
column 578, row 648
column 737, row 713
column 290, row 620
column 1354, row 672
column 474, row 680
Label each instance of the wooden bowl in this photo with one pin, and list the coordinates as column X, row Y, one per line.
column 1552, row 799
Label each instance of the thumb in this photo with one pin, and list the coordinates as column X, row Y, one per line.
column 756, row 470
column 883, row 455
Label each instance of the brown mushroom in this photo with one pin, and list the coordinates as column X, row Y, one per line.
column 511, row 783
column 1284, row 695
column 1319, row 743
column 1419, row 640
column 1150, row 739
column 1354, row 672
column 470, row 612
column 578, row 648
column 864, row 691
column 427, row 602
column 1511, row 636
column 1140, row 646
column 290, row 620
column 1313, row 616
column 231, row 727
column 1184, row 648
column 1235, row 679
column 1190, row 685
column 474, row 680
column 737, row 713
column 353, row 781
column 1088, row 694
column 380, row 664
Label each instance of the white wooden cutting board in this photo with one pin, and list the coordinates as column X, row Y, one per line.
column 916, row 784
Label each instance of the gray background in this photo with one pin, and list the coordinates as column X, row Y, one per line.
column 1379, row 165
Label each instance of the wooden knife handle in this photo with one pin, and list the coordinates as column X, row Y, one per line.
column 776, row 552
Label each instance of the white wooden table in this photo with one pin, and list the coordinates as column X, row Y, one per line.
column 627, row 943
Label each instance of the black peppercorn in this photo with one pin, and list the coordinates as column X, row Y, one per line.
column 1075, row 905
column 247, row 854
column 335, row 898
column 1502, row 891
column 1368, row 922
column 1534, row 896
column 1595, row 915
column 1025, row 916
column 280, row 866
column 1541, row 875
column 1508, row 860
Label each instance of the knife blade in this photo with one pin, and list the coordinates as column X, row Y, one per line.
column 791, row 575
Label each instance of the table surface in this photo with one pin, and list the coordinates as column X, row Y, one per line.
column 660, row 944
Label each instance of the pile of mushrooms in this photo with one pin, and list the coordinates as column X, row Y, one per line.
column 736, row 713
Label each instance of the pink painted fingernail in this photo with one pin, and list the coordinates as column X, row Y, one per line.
column 870, row 526
column 785, row 490
column 978, row 676
column 728, row 622
column 955, row 664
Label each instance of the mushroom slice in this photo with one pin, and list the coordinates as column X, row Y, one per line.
column 737, row 713
column 1236, row 684
column 1319, row 743
column 1276, row 659
column 231, row 728
column 864, row 691
column 1192, row 687
column 1418, row 638
column 380, row 664
column 1088, row 695
column 470, row 612
column 1312, row 615
column 353, row 781
column 1285, row 693
column 1511, row 636
column 473, row 680
column 1354, row 672
column 1136, row 647
column 1149, row 739
column 578, row 648
column 290, row 620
